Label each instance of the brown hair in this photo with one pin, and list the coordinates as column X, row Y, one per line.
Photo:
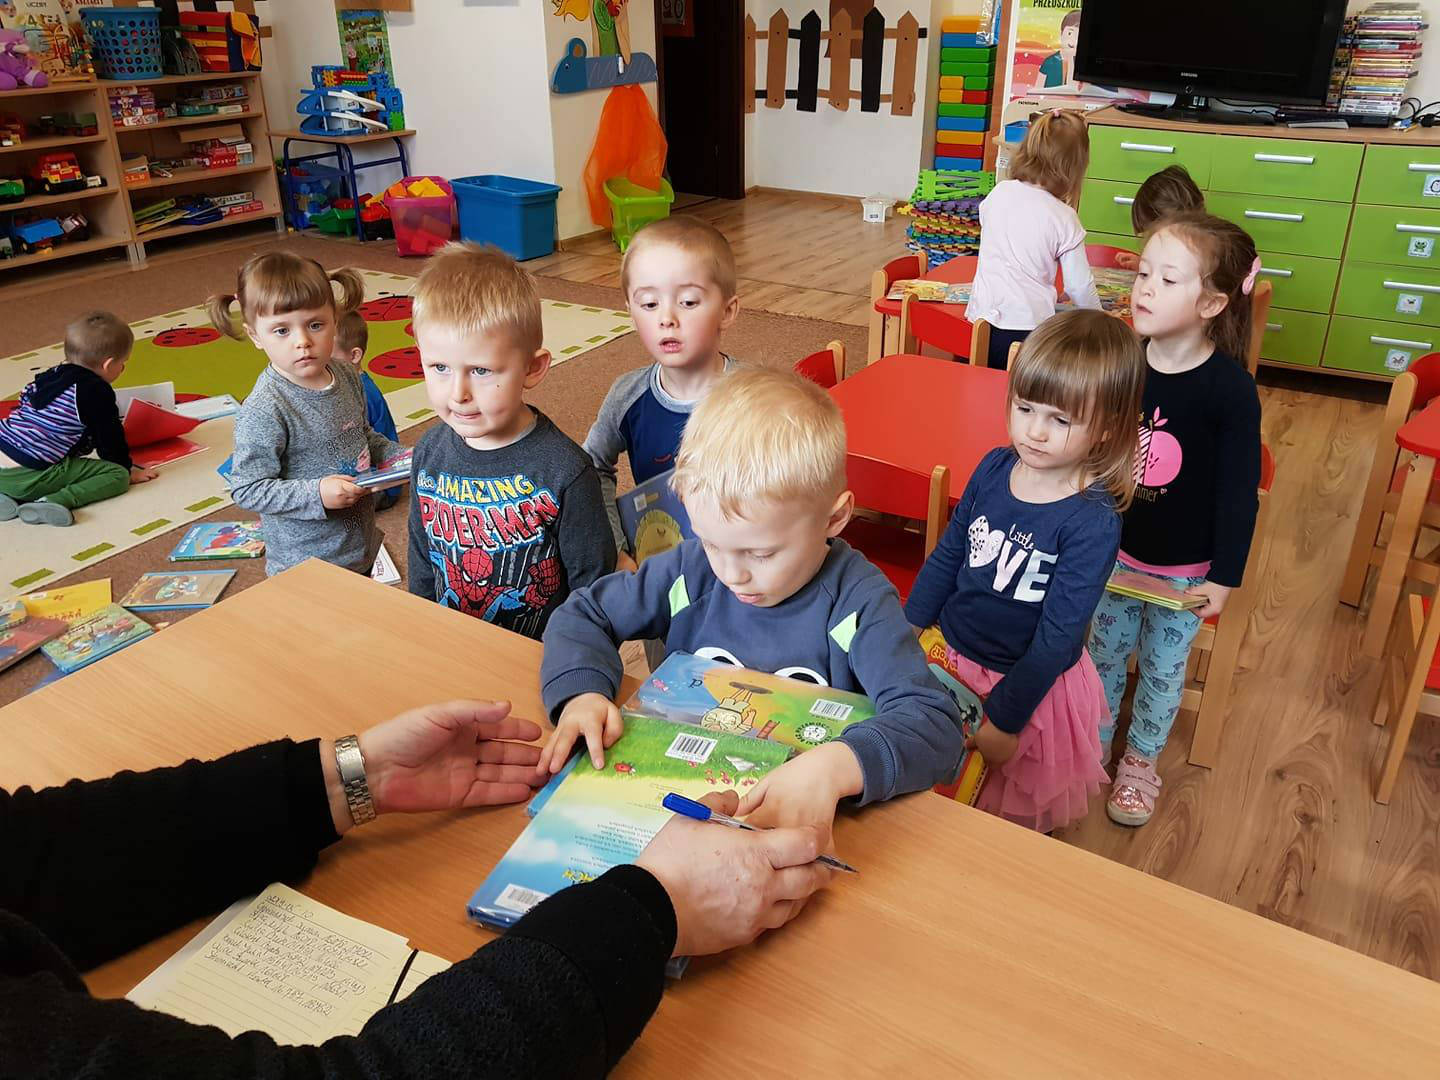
column 1071, row 21
column 95, row 337
column 1169, row 191
column 278, row 283
column 694, row 237
column 1055, row 154
column 478, row 291
column 1091, row 366
column 1226, row 254
column 351, row 333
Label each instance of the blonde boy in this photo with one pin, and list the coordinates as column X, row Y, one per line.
column 505, row 510
column 679, row 282
column 766, row 584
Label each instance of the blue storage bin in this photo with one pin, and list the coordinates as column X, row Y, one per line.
column 517, row 216
column 126, row 42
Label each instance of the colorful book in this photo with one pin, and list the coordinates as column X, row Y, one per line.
column 392, row 472
column 652, row 517
column 70, row 602
column 171, row 590
column 12, row 613
column 20, row 640
column 385, row 571
column 1114, row 285
column 934, row 292
column 1152, row 591
column 154, row 434
column 220, row 540
column 540, row 798
column 95, row 637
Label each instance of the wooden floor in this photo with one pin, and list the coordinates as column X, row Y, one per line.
column 1285, row 824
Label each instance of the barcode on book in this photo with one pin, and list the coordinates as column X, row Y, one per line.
column 692, row 748
column 518, row 898
column 831, row 710
column 639, row 501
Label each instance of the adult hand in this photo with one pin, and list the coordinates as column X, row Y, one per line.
column 591, row 716
column 728, row 885
column 995, row 746
column 140, row 475
column 337, row 492
column 1215, row 597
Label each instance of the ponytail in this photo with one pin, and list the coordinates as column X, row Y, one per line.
column 278, row 283
column 352, row 290
column 218, row 308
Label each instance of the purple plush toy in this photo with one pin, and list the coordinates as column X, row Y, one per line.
column 15, row 69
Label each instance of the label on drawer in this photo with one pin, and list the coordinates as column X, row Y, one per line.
column 1431, row 187
column 1408, row 303
column 1397, row 360
column 1421, row 247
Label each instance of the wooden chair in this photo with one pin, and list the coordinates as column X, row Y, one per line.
column 907, row 266
column 1409, row 681
column 1411, row 391
column 1259, row 313
column 826, row 367
column 894, row 490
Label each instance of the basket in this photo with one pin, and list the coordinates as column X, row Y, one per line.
column 632, row 207
column 422, row 223
column 126, row 42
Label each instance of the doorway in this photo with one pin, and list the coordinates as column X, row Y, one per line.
column 701, row 99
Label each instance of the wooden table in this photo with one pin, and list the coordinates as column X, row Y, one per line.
column 966, row 946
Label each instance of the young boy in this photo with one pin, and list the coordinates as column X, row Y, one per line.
column 352, row 338
column 765, row 585
column 679, row 280
column 1169, row 191
column 65, row 413
column 506, row 516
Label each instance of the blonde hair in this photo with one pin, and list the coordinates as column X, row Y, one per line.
column 762, row 436
column 278, row 283
column 95, row 337
column 692, row 236
column 479, row 291
column 1055, row 154
column 1091, row 366
column 351, row 333
column 1226, row 254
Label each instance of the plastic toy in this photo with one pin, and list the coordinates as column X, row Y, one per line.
column 340, row 99
column 35, row 236
column 75, row 226
column 12, row 129
column 15, row 69
column 56, row 173
column 11, row 189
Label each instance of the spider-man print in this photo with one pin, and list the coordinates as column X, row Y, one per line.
column 470, row 586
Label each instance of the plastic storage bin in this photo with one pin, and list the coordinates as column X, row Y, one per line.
column 127, row 42
column 425, row 223
column 517, row 216
column 632, row 207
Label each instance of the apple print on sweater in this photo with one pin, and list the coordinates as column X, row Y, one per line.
column 1158, row 460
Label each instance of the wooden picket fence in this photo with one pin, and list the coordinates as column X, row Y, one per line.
column 872, row 35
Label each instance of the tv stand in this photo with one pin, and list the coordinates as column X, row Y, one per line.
column 1196, row 110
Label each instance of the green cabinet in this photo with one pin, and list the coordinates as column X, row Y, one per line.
column 1119, row 153
column 1375, row 347
column 1301, row 282
column 1397, row 235
column 1377, row 291
column 1292, row 226
column 1294, row 337
column 1288, row 167
column 1400, row 176
column 1105, row 205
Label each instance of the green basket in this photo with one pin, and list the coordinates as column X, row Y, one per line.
column 632, row 207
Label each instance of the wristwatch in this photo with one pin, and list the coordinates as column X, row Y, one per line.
column 351, row 764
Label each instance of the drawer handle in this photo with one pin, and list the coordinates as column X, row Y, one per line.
column 1420, row 166
column 1270, row 215
column 1374, row 340
column 1276, row 326
column 1148, row 148
column 1427, row 230
column 1285, row 159
column 1276, row 272
column 1123, row 200
column 1405, row 286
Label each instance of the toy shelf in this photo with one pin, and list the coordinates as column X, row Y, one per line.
column 51, row 142
column 35, row 201
column 187, row 121
column 178, row 80
column 65, row 251
column 270, row 211
column 185, row 176
column 52, row 90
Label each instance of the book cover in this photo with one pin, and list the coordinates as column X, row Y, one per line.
column 652, row 517
column 69, row 603
column 12, row 613
column 20, row 640
column 596, row 819
column 392, row 472
column 1152, row 591
column 147, row 423
column 108, row 630
column 169, row 590
column 209, row 408
column 1114, row 286
column 220, row 540
column 164, row 452
column 540, row 798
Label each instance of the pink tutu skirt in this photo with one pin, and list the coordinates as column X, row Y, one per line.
column 1056, row 769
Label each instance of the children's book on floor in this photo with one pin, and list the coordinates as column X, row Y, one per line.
column 173, row 590
column 96, row 636
column 220, row 540
column 652, row 517
column 155, row 435
column 69, row 602
column 385, row 571
column 23, row 638
column 1146, row 588
column 209, row 408
column 12, row 613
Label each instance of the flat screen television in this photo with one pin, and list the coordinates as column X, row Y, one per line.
column 1255, row 50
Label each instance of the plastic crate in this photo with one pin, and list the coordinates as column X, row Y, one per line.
column 517, row 216
column 126, row 42
column 425, row 223
column 632, row 207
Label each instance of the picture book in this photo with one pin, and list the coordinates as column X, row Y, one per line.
column 1152, row 591
column 965, row 785
column 87, row 640
column 652, row 517
column 209, row 408
column 54, row 36
column 20, row 640
column 154, row 433
column 385, row 571
column 596, row 819
column 1114, row 286
column 935, row 292
column 540, row 798
column 12, row 613
column 392, row 472
column 220, row 540
column 688, row 689
column 70, row 602
column 168, row 590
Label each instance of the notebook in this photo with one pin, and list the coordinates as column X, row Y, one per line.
column 289, row 966
column 1152, row 591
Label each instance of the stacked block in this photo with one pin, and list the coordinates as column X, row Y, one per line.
column 944, row 212
column 967, row 85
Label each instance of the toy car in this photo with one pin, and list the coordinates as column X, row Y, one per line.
column 7, row 248
column 58, row 173
column 11, row 189
column 35, row 236
column 12, row 130
column 75, row 226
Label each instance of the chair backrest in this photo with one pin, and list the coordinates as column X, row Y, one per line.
column 1259, row 313
column 980, row 343
column 1267, row 468
column 888, row 488
column 1427, row 380
column 1105, row 255
column 926, row 323
column 1011, row 355
column 905, row 267
column 826, row 367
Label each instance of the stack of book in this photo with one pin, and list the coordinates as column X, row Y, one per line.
column 157, row 215
column 133, row 106
column 1384, row 44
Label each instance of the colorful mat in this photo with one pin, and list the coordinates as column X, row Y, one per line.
column 181, row 347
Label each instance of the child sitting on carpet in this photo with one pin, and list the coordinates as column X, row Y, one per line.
column 65, row 413
column 301, row 435
column 352, row 338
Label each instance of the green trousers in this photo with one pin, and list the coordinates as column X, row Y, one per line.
column 72, row 482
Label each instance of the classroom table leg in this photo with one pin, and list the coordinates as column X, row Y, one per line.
column 1418, row 476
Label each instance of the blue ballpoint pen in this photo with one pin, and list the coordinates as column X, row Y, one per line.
column 679, row 804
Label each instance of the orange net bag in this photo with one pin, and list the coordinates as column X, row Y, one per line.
column 628, row 143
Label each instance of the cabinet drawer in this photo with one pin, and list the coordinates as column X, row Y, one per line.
column 1294, row 337
column 1128, row 241
column 1384, row 348
column 1401, row 176
column 1290, row 167
column 1105, row 206
column 1377, row 291
column 1395, row 235
column 1301, row 282
column 1119, row 153
column 1292, row 226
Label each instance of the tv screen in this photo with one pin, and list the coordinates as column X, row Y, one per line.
column 1256, row 50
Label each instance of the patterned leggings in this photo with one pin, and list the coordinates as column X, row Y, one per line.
column 1164, row 638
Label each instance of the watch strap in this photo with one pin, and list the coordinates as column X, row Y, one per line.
column 351, row 763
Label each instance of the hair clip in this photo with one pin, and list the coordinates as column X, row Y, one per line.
column 1248, row 285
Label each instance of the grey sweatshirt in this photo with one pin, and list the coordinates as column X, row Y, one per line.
column 287, row 438
column 844, row 629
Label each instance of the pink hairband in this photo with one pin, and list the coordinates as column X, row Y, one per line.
column 1248, row 285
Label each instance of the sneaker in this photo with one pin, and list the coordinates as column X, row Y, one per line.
column 1137, row 786
column 8, row 508
column 45, row 513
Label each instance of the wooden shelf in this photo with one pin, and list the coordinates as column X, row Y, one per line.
column 187, row 175
column 176, row 80
column 44, row 91
column 64, row 251
column 51, row 142
column 186, row 230
column 186, row 121
column 50, row 200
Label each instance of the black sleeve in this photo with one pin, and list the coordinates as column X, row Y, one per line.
column 95, row 404
column 1237, row 477
column 103, row 866
column 587, row 546
column 564, row 994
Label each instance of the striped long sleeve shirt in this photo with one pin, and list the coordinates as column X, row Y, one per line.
column 67, row 411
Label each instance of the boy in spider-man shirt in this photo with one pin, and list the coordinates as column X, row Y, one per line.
column 506, row 517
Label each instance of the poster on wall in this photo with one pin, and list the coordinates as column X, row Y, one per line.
column 365, row 42
column 677, row 18
column 1043, row 37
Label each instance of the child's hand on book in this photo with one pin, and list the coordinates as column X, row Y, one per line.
column 338, row 492
column 593, row 716
column 140, row 476
column 805, row 789
column 995, row 746
column 1215, row 597
column 623, row 561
